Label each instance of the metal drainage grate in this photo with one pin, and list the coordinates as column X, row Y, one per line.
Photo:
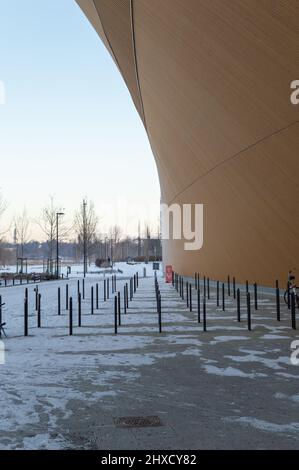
column 137, row 421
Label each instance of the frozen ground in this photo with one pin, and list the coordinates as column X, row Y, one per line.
column 226, row 388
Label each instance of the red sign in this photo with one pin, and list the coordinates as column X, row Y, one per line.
column 168, row 273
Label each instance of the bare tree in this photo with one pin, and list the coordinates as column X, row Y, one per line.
column 48, row 224
column 3, row 207
column 22, row 231
column 115, row 234
column 85, row 226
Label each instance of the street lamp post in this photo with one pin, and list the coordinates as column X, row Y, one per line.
column 58, row 214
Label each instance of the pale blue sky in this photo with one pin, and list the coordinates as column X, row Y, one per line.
column 68, row 126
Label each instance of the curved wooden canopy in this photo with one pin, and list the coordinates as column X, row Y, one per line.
column 211, row 82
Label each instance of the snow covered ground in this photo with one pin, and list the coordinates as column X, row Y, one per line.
column 60, row 391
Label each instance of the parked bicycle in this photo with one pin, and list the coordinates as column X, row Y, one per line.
column 291, row 289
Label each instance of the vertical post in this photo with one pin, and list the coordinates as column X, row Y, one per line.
column 238, row 305
column 115, row 314
column 277, row 302
column 67, row 297
column 91, row 296
column 83, row 289
column 36, row 297
column 204, row 315
column 217, row 293
column 71, row 317
column 208, row 286
column 137, row 279
column 187, row 293
column 39, row 311
column 293, row 310
column 228, row 285
column 79, row 310
column 112, row 284
column 108, row 289
column 204, row 287
column 59, row 301
column 198, row 305
column 248, row 312
column 105, row 298
column 247, row 287
column 160, row 313
column 97, row 296
column 234, row 287
column 125, row 300
column 127, row 294
column 195, row 281
column 190, row 297
column 255, row 296
column 119, row 308
column 26, row 313
column 78, row 287
column 182, row 288
column 223, row 297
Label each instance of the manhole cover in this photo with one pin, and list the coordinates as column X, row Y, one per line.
column 137, row 421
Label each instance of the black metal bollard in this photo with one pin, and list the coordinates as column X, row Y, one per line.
column 125, row 300
column 247, row 287
column 97, row 296
column 255, row 296
column 223, row 297
column 71, row 316
column 204, row 315
column 108, row 289
column 119, row 308
column 293, row 310
column 195, row 281
column 160, row 312
column 92, row 300
column 59, row 301
column 248, row 311
column 36, row 297
column 234, row 287
column 127, row 295
column 217, row 293
column 277, row 302
column 115, row 314
column 204, row 287
column 78, row 287
column 228, row 285
column 198, row 305
column 187, row 293
column 238, row 306
column 137, row 279
column 83, row 289
column 134, row 283
column 26, row 316
column 105, row 297
column 67, row 297
column 208, row 287
column 190, row 297
column 182, row 288
column 79, row 309
column 39, row 311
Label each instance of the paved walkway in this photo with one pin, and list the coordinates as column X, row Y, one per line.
column 226, row 388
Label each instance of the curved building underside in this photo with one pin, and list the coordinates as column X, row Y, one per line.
column 210, row 80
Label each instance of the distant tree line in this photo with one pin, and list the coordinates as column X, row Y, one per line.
column 81, row 241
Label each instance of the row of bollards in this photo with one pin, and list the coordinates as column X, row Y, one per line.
column 184, row 288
